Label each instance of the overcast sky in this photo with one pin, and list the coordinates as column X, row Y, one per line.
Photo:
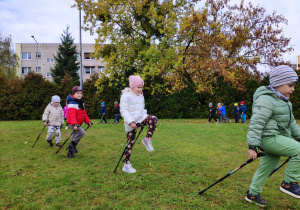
column 46, row 20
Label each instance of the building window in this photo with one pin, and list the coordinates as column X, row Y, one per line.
column 87, row 56
column 26, row 56
column 89, row 69
column 49, row 60
column 26, row 70
column 38, row 70
column 48, row 74
column 77, row 54
column 38, row 55
column 101, row 69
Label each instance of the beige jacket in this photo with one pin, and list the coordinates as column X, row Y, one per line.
column 54, row 115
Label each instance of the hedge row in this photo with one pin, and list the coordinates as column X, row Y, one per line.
column 26, row 99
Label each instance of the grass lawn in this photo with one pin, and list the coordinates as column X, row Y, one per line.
column 189, row 155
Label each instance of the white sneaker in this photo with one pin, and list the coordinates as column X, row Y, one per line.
column 128, row 168
column 148, row 145
column 66, row 127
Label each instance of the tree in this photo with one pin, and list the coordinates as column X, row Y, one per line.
column 230, row 41
column 8, row 58
column 141, row 34
column 66, row 60
column 171, row 44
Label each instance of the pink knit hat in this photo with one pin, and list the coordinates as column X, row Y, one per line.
column 135, row 80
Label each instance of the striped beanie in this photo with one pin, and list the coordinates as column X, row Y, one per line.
column 282, row 75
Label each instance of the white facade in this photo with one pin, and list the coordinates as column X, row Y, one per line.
column 45, row 59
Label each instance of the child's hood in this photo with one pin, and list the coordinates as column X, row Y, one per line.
column 70, row 98
column 263, row 90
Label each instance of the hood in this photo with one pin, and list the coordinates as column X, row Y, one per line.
column 263, row 90
column 70, row 98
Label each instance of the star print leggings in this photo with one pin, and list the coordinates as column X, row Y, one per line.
column 149, row 120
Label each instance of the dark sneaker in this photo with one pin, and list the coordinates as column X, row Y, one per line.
column 58, row 145
column 70, row 155
column 50, row 143
column 291, row 189
column 256, row 199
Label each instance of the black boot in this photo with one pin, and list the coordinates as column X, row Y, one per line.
column 50, row 142
column 70, row 155
column 72, row 149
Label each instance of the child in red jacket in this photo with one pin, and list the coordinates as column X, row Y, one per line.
column 76, row 117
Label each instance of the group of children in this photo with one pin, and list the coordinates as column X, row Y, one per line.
column 102, row 113
column 221, row 110
column 272, row 127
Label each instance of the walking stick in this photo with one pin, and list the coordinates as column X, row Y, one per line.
column 39, row 136
column 227, row 175
column 278, row 167
column 142, row 127
column 65, row 141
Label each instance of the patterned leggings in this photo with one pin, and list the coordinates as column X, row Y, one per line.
column 149, row 120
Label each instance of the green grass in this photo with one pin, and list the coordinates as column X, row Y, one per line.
column 189, row 155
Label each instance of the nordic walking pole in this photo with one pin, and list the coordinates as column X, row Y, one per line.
column 278, row 167
column 127, row 145
column 227, row 175
column 84, row 130
column 65, row 141
column 39, row 136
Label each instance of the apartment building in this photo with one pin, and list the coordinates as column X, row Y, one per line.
column 40, row 61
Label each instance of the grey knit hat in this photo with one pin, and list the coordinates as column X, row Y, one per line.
column 210, row 104
column 55, row 98
column 282, row 75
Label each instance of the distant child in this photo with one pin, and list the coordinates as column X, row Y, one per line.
column 219, row 112
column 243, row 111
column 76, row 116
column 132, row 107
column 117, row 112
column 211, row 112
column 236, row 113
column 66, row 115
column 272, row 127
column 222, row 109
column 103, row 113
column 53, row 117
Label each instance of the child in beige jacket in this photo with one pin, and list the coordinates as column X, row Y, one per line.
column 53, row 117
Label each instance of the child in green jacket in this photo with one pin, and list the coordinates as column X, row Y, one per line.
column 271, row 129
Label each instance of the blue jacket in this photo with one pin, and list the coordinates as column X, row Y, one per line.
column 243, row 108
column 223, row 110
column 235, row 110
column 103, row 110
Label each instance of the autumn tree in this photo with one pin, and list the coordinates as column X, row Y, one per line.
column 66, row 60
column 173, row 46
column 231, row 41
column 8, row 58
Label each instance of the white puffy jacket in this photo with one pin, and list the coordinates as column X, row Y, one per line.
column 54, row 114
column 132, row 108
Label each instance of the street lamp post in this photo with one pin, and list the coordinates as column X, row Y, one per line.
column 80, row 51
column 37, row 51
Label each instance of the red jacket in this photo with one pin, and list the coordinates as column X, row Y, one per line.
column 75, row 114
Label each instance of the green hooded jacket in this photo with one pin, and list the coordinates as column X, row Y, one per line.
column 270, row 116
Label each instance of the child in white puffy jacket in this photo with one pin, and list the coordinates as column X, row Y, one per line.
column 132, row 108
column 53, row 117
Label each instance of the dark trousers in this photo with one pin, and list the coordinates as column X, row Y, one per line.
column 103, row 118
column 212, row 117
column 116, row 118
column 237, row 118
